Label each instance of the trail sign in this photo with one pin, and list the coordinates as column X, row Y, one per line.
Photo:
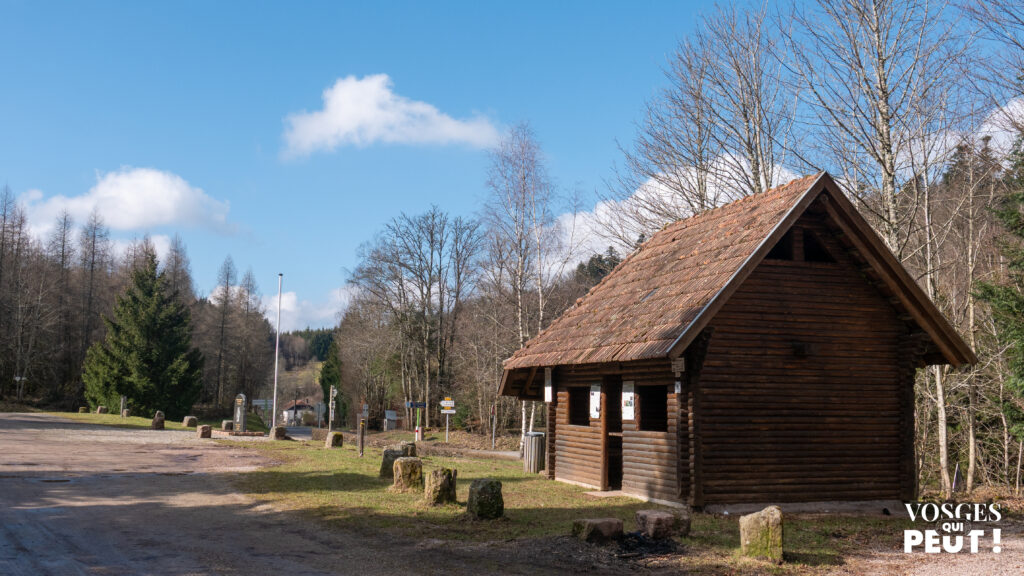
column 415, row 404
column 447, row 408
column 330, row 417
column 240, row 413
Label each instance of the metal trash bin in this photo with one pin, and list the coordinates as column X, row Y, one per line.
column 533, row 452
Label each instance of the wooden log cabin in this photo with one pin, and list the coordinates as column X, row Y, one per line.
column 763, row 351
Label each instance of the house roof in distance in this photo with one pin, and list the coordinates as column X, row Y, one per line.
column 659, row 298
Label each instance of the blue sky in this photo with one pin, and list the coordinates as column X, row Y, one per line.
column 208, row 118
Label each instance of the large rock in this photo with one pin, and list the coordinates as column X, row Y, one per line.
column 227, row 425
column 408, row 449
column 660, row 524
column 392, row 453
column 101, row 409
column 597, row 530
column 440, row 486
column 158, row 421
column 190, row 422
column 83, row 410
column 408, row 474
column 485, row 499
column 761, row 534
column 204, row 431
column 319, row 434
column 278, row 433
column 126, row 413
column 334, row 440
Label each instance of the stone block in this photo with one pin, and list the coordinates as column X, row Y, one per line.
column 392, row 453
column 83, row 410
column 660, row 524
column 278, row 433
column 158, row 421
column 485, row 499
column 227, row 425
column 204, row 431
column 101, row 409
column 334, row 440
column 761, row 534
column 440, row 486
column 597, row 530
column 126, row 413
column 408, row 473
column 190, row 422
column 408, row 449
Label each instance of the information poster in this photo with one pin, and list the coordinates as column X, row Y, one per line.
column 628, row 400
column 548, row 392
column 595, row 401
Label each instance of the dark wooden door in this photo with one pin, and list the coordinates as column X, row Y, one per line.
column 612, row 387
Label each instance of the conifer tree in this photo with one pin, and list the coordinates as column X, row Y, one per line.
column 1007, row 299
column 330, row 375
column 147, row 355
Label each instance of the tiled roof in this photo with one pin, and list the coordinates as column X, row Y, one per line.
column 641, row 308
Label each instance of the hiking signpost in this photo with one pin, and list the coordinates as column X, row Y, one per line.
column 330, row 417
column 418, row 406
column 447, row 408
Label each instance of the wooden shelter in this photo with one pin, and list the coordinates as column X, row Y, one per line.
column 761, row 351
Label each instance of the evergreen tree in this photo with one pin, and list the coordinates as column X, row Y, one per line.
column 147, row 355
column 1007, row 299
column 330, row 375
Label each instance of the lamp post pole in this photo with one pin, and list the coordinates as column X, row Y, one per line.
column 277, row 349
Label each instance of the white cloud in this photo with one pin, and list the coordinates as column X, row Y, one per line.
column 1002, row 125
column 364, row 111
column 133, row 199
column 297, row 313
column 652, row 205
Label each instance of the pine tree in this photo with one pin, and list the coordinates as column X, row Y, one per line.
column 147, row 355
column 1007, row 299
column 330, row 375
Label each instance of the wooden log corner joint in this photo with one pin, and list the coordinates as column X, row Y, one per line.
column 761, row 351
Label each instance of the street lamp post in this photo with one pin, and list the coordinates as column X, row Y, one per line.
column 277, row 350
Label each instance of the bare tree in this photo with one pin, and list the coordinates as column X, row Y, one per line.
column 716, row 133
column 223, row 299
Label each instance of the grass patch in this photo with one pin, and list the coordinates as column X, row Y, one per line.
column 115, row 420
column 343, row 490
column 253, row 422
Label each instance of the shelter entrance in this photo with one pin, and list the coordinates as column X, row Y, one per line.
column 612, row 388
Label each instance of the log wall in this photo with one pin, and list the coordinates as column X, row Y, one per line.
column 801, row 396
column 650, row 460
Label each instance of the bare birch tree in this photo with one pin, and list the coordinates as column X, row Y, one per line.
column 716, row 133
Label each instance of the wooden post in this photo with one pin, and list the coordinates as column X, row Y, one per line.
column 912, row 347
column 362, row 434
column 695, row 355
column 551, row 431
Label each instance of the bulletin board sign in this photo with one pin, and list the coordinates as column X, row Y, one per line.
column 628, row 401
column 595, row 401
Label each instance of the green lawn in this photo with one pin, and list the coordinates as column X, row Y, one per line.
column 253, row 422
column 341, row 489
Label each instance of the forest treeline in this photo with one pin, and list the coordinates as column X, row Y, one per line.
column 57, row 291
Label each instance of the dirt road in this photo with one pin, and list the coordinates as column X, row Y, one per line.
column 83, row 499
